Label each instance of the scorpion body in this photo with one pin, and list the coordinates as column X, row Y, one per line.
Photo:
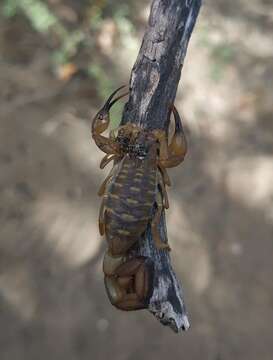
column 134, row 195
column 127, row 210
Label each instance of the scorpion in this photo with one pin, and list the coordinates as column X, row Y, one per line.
column 133, row 196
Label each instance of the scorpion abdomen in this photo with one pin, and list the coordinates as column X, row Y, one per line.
column 129, row 203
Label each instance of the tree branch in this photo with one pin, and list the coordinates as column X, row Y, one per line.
column 153, row 85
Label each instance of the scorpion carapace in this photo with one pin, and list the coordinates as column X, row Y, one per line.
column 133, row 195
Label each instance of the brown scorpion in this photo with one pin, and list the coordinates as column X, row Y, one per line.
column 134, row 195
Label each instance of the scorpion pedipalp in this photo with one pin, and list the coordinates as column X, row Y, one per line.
column 101, row 122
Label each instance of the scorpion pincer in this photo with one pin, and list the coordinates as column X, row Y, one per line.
column 133, row 195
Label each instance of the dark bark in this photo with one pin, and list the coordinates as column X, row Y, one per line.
column 153, row 85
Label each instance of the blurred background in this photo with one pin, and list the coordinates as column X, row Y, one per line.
column 58, row 61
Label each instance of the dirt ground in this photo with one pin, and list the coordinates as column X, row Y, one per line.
column 52, row 299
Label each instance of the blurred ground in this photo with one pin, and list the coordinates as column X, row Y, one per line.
column 52, row 298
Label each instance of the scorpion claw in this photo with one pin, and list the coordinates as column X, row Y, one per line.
column 109, row 103
column 101, row 120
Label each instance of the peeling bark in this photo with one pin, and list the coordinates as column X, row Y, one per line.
column 153, row 85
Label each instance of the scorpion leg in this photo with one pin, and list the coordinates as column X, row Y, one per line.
column 107, row 179
column 101, row 122
column 106, row 159
column 120, row 244
column 155, row 223
column 164, row 193
column 130, row 285
column 165, row 175
column 104, row 184
column 101, row 218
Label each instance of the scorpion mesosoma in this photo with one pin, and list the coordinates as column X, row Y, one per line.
column 134, row 195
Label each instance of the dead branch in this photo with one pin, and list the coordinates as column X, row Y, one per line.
column 153, row 85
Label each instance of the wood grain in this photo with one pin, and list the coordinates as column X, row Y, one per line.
column 153, row 85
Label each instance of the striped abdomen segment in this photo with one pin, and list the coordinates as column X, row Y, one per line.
column 129, row 203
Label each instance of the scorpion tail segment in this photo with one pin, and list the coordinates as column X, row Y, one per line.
column 111, row 263
column 144, row 280
column 130, row 286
